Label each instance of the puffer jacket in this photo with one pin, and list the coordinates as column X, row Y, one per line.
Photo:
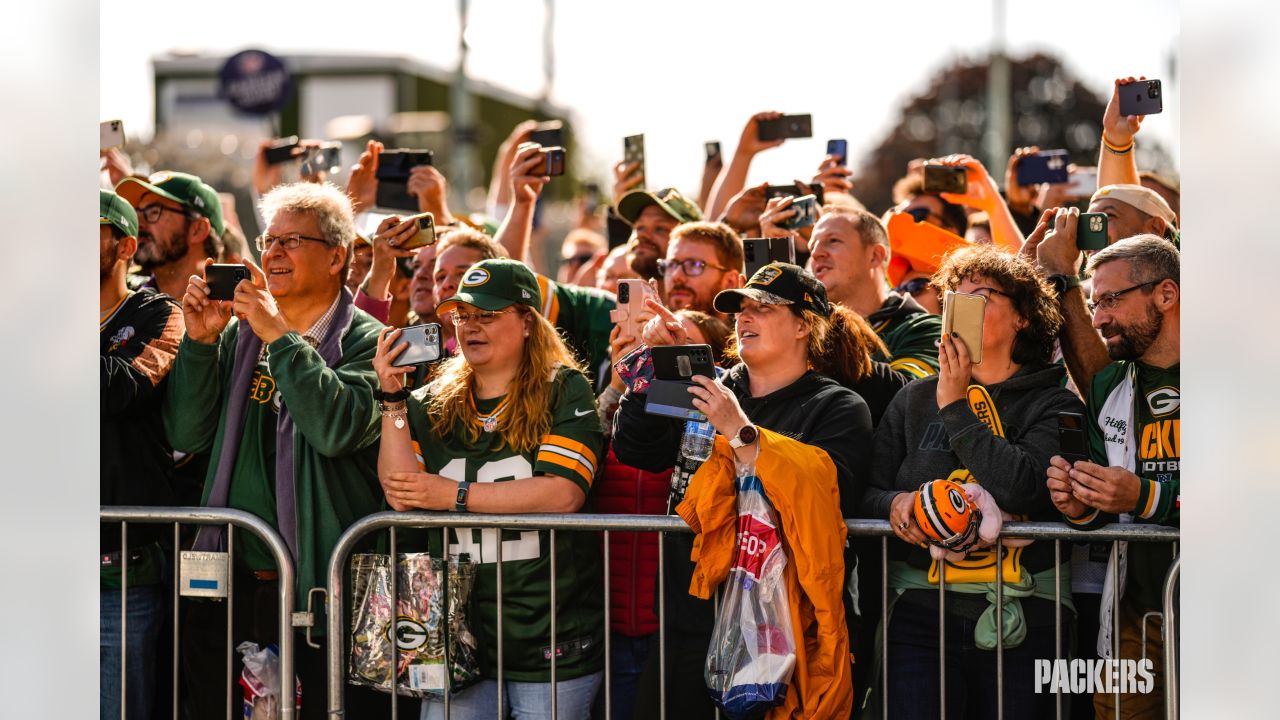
column 633, row 557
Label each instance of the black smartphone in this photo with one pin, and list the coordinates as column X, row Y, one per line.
column 281, row 150
column 787, row 126
column 424, row 345
column 548, row 133
column 394, row 167
column 322, row 159
column 712, row 149
column 554, row 157
column 1091, row 231
column 758, row 252
column 806, row 213
column 840, row 148
column 1141, row 98
column 222, row 280
column 945, row 179
column 673, row 368
column 1048, row 166
column 1072, row 445
column 633, row 152
column 776, row 191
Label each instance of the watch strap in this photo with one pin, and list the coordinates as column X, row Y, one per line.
column 460, row 502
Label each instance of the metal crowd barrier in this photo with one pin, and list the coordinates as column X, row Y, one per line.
column 606, row 524
column 125, row 515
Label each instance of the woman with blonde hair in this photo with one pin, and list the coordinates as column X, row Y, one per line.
column 508, row 425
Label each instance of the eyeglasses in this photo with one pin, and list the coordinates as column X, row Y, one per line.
column 484, row 317
column 913, row 286
column 691, row 267
column 1109, row 301
column 151, row 213
column 987, row 292
column 922, row 214
column 290, row 242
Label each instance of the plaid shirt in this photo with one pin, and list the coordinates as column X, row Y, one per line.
column 316, row 333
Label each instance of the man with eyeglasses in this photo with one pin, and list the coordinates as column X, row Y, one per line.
column 282, row 398
column 1133, row 423
column 702, row 259
column 849, row 253
column 179, row 226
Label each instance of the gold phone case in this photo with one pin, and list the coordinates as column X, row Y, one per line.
column 962, row 314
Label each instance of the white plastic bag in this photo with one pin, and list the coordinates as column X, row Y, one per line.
column 261, row 682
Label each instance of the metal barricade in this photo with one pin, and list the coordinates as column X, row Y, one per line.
column 1055, row 532
column 1170, row 628
column 178, row 516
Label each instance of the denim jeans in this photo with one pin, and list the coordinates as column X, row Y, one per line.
column 627, row 659
column 971, row 672
column 523, row 700
column 143, row 635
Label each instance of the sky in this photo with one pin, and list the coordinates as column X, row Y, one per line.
column 691, row 72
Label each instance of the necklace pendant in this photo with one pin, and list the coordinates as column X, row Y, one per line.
column 490, row 423
column 399, row 423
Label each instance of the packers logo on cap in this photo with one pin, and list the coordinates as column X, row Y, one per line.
column 476, row 276
column 766, row 274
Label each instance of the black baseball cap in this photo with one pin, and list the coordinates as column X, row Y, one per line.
column 778, row 283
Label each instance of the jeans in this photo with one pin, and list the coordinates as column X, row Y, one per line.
column 142, row 639
column 627, row 659
column 971, row 672
column 523, row 700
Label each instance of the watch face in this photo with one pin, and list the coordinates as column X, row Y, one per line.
column 747, row 434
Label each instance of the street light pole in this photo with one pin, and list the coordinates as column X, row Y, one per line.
column 461, row 121
column 997, row 139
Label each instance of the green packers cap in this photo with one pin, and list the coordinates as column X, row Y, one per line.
column 669, row 199
column 114, row 211
column 187, row 190
column 778, row 284
column 495, row 284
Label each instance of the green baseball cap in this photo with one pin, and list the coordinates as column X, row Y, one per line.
column 669, row 199
column 187, row 190
column 777, row 283
column 495, row 284
column 114, row 211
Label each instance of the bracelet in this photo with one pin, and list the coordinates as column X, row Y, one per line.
column 385, row 408
column 1114, row 149
column 397, row 396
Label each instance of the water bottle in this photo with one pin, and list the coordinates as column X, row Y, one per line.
column 697, row 441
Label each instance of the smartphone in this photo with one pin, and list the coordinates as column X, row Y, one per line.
column 633, row 152
column 673, row 368
column 1091, row 231
column 393, row 171
column 222, row 280
column 548, row 133
column 962, row 314
column 110, row 134
column 758, row 252
column 1071, row 437
column 424, row 345
column 787, row 126
column 554, row 159
column 324, row 158
column 712, row 149
column 1083, row 183
column 631, row 295
column 1049, row 166
column 945, row 179
column 806, row 208
column 840, row 148
column 776, row 191
column 1141, row 98
column 426, row 234
column 281, row 150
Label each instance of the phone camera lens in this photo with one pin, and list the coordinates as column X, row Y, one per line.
column 1153, row 91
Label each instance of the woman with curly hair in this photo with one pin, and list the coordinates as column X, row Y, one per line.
column 994, row 423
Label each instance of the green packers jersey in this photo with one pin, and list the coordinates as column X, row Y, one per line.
column 582, row 316
column 1134, row 411
column 911, row 334
column 571, row 449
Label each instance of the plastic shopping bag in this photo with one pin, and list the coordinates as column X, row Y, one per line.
column 260, row 679
column 420, row 631
column 752, row 652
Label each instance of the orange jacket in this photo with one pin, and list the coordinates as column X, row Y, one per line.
column 800, row 482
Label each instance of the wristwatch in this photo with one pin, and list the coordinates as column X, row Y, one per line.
column 460, row 503
column 1062, row 283
column 745, row 436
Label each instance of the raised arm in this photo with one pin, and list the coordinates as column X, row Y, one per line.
column 1116, row 162
column 734, row 177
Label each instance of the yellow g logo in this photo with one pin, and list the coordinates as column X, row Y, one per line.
column 475, row 276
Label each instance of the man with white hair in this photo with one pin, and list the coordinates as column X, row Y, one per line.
column 283, row 398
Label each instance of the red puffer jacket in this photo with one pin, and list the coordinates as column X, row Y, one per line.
column 633, row 557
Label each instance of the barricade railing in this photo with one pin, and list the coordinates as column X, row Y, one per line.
column 179, row 516
column 606, row 524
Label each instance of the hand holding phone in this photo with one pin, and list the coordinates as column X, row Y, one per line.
column 1072, row 445
column 758, row 252
column 806, row 208
column 553, row 161
column 223, row 278
column 548, row 134
column 1091, row 231
column 280, row 150
column 423, row 345
column 839, row 148
column 394, row 168
column 962, row 314
column 784, row 127
column 1142, row 97
column 425, row 235
column 1046, row 166
column 110, row 134
column 946, row 179
column 633, row 152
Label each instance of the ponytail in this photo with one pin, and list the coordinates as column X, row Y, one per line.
column 841, row 346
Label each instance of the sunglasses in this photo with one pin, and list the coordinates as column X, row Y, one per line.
column 913, row 286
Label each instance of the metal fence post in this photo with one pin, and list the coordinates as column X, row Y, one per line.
column 1170, row 632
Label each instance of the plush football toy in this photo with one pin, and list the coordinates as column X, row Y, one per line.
column 955, row 517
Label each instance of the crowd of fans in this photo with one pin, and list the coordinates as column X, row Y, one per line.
column 834, row 384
